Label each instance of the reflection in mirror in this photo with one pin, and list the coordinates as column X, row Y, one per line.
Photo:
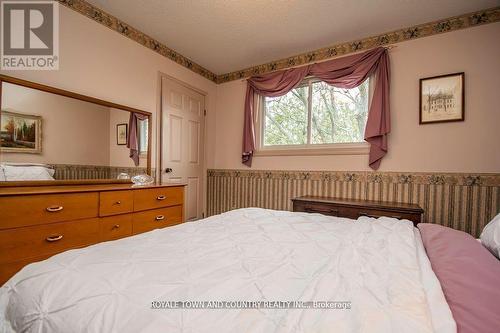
column 46, row 136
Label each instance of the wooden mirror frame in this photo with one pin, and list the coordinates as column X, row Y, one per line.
column 65, row 93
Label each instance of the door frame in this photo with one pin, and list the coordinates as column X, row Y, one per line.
column 204, row 138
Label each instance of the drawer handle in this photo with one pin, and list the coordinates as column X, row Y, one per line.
column 160, row 217
column 53, row 209
column 118, row 202
column 161, row 197
column 116, row 226
column 377, row 216
column 54, row 238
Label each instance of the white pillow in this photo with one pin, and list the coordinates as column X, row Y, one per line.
column 49, row 168
column 14, row 173
column 490, row 237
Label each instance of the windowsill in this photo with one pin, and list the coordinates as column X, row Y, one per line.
column 362, row 148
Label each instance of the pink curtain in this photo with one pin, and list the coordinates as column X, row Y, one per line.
column 347, row 72
column 133, row 135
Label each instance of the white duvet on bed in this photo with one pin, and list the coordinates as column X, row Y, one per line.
column 246, row 254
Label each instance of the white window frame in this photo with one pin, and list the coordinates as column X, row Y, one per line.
column 352, row 148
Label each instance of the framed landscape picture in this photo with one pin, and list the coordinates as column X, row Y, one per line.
column 20, row 133
column 121, row 134
column 442, row 98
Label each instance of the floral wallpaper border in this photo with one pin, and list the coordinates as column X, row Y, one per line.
column 428, row 29
column 429, row 178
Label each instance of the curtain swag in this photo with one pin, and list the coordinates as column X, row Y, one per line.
column 346, row 72
column 133, row 135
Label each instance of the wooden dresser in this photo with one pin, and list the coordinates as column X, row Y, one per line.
column 38, row 222
column 353, row 208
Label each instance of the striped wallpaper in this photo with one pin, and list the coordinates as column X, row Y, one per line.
column 459, row 200
column 77, row 171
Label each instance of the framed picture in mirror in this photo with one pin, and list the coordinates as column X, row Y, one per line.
column 20, row 133
column 121, row 134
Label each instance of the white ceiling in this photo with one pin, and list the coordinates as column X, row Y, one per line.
column 229, row 35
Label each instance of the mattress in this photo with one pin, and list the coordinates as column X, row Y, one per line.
column 377, row 267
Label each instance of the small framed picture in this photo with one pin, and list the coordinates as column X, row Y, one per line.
column 121, row 134
column 20, row 133
column 442, row 98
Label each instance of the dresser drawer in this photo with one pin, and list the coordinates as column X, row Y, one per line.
column 115, row 202
column 9, row 269
column 21, row 243
column 319, row 208
column 19, row 211
column 157, row 218
column 115, row 227
column 357, row 209
column 158, row 197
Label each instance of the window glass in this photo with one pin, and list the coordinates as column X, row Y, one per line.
column 143, row 136
column 286, row 118
column 316, row 113
column 338, row 115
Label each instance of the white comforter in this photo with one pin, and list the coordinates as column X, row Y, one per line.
column 247, row 254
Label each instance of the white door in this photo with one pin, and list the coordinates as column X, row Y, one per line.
column 182, row 143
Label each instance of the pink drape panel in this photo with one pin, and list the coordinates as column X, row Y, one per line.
column 347, row 72
column 270, row 85
column 133, row 135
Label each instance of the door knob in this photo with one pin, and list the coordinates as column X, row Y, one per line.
column 168, row 170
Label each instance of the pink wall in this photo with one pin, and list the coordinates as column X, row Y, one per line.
column 470, row 146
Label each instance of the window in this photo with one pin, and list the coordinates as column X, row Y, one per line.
column 314, row 115
column 143, row 136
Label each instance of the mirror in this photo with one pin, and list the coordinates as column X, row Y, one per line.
column 52, row 135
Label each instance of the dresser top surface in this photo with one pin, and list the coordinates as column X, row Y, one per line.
column 44, row 189
column 360, row 203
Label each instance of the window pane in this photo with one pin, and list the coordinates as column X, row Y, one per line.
column 338, row 115
column 286, row 118
column 143, row 136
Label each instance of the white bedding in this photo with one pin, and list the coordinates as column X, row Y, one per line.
column 25, row 171
column 246, row 254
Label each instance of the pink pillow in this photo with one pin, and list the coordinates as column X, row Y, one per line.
column 469, row 276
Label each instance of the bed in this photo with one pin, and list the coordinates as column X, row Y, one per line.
column 378, row 266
